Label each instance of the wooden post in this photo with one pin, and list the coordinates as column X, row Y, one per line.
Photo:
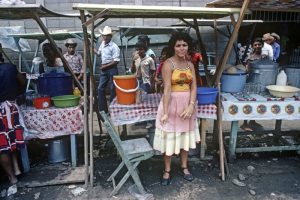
column 203, row 138
column 233, row 37
column 220, row 134
column 91, row 128
column 216, row 42
column 86, row 143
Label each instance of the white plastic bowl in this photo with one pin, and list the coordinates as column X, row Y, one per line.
column 282, row 91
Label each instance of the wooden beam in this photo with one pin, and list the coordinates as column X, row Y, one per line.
column 85, row 128
column 203, row 52
column 91, row 128
column 233, row 37
column 95, row 17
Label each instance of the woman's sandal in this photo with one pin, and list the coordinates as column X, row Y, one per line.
column 189, row 176
column 166, row 181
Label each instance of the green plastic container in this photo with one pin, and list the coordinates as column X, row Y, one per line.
column 65, row 101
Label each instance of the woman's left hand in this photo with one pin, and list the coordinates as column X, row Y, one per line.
column 187, row 113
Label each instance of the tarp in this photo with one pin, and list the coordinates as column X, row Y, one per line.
column 8, row 42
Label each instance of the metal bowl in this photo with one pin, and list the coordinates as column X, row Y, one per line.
column 282, row 91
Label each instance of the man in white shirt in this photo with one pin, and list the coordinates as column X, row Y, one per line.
column 267, row 50
column 110, row 57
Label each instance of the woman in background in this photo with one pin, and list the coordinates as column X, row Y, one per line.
column 53, row 63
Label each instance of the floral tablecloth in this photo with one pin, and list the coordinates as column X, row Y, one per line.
column 257, row 107
column 52, row 122
column 147, row 110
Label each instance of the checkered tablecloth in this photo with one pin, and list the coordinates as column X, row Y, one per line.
column 51, row 122
column 145, row 111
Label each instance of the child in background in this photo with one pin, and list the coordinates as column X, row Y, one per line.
column 144, row 67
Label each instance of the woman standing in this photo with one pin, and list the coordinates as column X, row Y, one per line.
column 176, row 130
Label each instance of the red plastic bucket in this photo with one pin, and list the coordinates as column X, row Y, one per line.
column 126, row 87
column 42, row 102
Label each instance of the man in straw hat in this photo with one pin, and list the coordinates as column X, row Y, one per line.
column 110, row 57
column 267, row 50
column 74, row 59
column 276, row 47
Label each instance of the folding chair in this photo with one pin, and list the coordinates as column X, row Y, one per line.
column 132, row 152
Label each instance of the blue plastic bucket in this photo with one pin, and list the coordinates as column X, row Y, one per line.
column 233, row 82
column 55, row 84
column 206, row 95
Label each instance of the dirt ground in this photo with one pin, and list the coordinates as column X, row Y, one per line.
column 272, row 175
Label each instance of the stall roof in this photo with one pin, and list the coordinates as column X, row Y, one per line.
column 210, row 22
column 130, row 31
column 133, row 11
column 263, row 5
column 62, row 35
column 20, row 12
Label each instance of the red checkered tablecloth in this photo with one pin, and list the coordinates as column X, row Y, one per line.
column 145, row 111
column 52, row 122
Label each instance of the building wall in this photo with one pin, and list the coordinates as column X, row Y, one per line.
column 65, row 6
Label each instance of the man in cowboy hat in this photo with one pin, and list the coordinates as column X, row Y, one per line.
column 110, row 57
column 275, row 46
column 267, row 50
column 73, row 58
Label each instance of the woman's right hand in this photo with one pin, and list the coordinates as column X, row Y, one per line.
column 164, row 119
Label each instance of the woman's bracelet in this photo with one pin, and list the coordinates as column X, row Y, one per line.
column 192, row 102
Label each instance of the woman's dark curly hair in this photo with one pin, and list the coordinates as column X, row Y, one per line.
column 177, row 37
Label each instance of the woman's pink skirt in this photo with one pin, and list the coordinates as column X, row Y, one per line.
column 177, row 133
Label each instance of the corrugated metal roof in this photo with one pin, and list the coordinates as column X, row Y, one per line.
column 133, row 11
column 264, row 5
column 17, row 12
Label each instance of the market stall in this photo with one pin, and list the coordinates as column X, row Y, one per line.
column 36, row 12
column 105, row 11
column 58, row 35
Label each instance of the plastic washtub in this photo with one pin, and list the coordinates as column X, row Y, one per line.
column 206, row 95
column 233, row 82
column 65, row 101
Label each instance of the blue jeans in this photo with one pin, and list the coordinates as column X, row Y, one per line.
column 145, row 86
column 105, row 77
